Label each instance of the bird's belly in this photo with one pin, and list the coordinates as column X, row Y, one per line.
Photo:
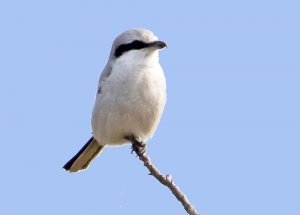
column 133, row 104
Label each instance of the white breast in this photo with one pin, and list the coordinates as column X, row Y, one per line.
column 132, row 100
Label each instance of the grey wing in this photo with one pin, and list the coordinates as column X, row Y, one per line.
column 104, row 75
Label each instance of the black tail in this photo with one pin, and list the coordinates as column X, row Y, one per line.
column 83, row 158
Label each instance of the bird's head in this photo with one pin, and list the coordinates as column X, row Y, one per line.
column 135, row 44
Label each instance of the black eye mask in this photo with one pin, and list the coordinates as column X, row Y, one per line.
column 134, row 45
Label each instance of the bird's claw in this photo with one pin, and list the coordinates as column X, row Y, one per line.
column 137, row 146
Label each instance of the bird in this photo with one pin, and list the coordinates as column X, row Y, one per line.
column 130, row 98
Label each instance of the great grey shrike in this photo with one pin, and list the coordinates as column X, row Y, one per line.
column 130, row 98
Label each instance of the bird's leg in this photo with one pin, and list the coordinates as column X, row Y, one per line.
column 138, row 147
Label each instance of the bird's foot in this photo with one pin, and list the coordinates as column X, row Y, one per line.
column 138, row 147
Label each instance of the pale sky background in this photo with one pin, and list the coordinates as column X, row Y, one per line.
column 230, row 133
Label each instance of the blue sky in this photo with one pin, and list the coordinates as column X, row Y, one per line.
column 229, row 135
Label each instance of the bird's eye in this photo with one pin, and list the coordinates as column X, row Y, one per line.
column 134, row 45
column 137, row 44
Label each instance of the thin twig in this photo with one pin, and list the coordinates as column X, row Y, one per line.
column 167, row 181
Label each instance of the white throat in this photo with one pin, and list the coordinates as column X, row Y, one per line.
column 139, row 57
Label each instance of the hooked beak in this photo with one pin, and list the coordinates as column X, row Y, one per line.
column 158, row 44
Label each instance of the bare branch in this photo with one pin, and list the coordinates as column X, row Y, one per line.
column 167, row 181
